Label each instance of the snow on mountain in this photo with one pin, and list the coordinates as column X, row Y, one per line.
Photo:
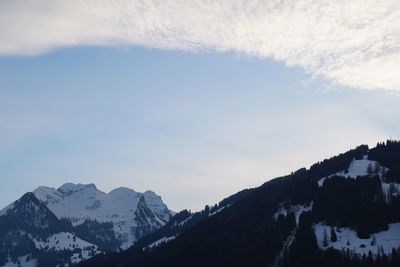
column 29, row 224
column 286, row 219
column 6, row 209
column 76, row 222
column 161, row 241
column 286, row 245
column 347, row 238
column 31, row 212
column 218, row 210
column 390, row 190
column 68, row 241
column 24, row 261
column 79, row 202
column 321, row 181
column 63, row 241
column 365, row 167
column 360, row 167
column 297, row 209
column 156, row 205
column 78, row 257
column 185, row 220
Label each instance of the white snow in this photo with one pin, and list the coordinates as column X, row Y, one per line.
column 161, row 241
column 156, row 205
column 321, row 181
column 7, row 208
column 22, row 262
column 348, row 239
column 358, row 167
column 286, row 245
column 281, row 211
column 386, row 189
column 185, row 220
column 80, row 202
column 76, row 258
column 63, row 241
column 218, row 210
column 67, row 241
column 297, row 209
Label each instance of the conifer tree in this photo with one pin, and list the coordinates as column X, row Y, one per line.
column 333, row 235
column 325, row 240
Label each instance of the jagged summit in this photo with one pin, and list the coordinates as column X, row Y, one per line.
column 27, row 203
column 82, row 202
column 78, row 216
column 69, row 188
column 28, row 211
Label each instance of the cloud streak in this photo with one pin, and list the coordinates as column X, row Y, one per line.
column 351, row 43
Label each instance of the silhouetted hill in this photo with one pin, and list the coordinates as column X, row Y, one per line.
column 342, row 211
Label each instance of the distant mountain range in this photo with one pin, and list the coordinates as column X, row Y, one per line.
column 341, row 212
column 60, row 227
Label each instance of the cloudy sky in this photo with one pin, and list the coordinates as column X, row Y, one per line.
column 194, row 100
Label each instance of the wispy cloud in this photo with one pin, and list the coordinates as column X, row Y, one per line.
column 351, row 43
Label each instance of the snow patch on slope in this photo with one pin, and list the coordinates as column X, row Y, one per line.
column 321, row 181
column 286, row 245
column 23, row 262
column 79, row 202
column 390, row 190
column 218, row 210
column 6, row 209
column 161, row 241
column 358, row 167
column 348, row 239
column 68, row 241
column 78, row 257
column 297, row 209
column 154, row 202
column 63, row 241
column 185, row 220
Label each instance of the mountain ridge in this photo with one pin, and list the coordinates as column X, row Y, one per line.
column 349, row 219
column 83, row 219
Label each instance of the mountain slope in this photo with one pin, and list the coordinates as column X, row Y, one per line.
column 74, row 222
column 32, row 235
column 82, row 203
column 340, row 212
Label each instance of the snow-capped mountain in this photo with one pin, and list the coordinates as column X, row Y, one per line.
column 74, row 222
column 341, row 212
column 122, row 207
column 31, row 235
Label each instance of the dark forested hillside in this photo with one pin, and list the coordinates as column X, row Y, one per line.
column 343, row 211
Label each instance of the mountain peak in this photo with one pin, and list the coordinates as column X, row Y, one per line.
column 31, row 212
column 69, row 188
column 122, row 191
column 29, row 197
column 82, row 202
column 50, row 218
column 26, row 198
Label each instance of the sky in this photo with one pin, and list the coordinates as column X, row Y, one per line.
column 194, row 100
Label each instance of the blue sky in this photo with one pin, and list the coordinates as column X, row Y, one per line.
column 193, row 100
column 194, row 127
